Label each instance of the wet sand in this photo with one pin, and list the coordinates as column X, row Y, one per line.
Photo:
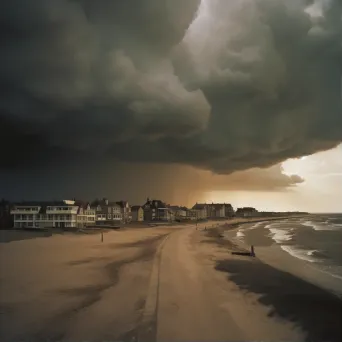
column 287, row 297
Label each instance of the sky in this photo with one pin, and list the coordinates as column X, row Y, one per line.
column 197, row 100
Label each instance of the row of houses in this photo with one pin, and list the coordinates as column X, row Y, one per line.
column 69, row 214
column 77, row 214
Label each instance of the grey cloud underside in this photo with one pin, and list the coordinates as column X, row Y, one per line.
column 226, row 86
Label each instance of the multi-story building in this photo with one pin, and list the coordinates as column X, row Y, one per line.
column 156, row 210
column 247, row 212
column 137, row 213
column 214, row 210
column 107, row 213
column 58, row 214
column 200, row 210
column 86, row 216
column 125, row 211
column 229, row 210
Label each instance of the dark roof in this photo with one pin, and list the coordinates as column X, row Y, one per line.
column 39, row 203
column 218, row 206
column 246, row 209
column 199, row 206
column 154, row 204
column 82, row 204
column 135, row 207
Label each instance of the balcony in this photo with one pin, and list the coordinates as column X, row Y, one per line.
column 63, row 211
column 24, row 211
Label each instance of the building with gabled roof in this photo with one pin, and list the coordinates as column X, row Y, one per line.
column 157, row 210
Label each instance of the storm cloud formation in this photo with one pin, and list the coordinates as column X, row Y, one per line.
column 213, row 84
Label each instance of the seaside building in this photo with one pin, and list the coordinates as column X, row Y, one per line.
column 229, row 210
column 137, row 213
column 56, row 214
column 214, row 210
column 107, row 213
column 156, row 210
column 200, row 211
column 86, row 216
column 247, row 212
column 125, row 211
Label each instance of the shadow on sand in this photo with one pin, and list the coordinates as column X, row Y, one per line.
column 317, row 312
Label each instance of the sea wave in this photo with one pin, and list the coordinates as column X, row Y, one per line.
column 299, row 253
column 335, row 272
column 240, row 234
column 256, row 225
column 321, row 225
column 280, row 235
column 312, row 252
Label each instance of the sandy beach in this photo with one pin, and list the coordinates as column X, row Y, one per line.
column 155, row 284
column 287, row 298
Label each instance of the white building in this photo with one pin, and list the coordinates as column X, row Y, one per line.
column 62, row 214
column 85, row 215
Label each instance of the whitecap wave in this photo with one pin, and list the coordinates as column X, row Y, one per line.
column 256, row 225
column 298, row 253
column 320, row 225
column 240, row 234
column 280, row 235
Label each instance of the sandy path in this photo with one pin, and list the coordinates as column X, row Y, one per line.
column 70, row 287
column 197, row 303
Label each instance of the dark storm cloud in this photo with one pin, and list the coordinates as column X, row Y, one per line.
column 173, row 183
column 226, row 86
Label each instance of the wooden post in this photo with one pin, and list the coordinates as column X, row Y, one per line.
column 252, row 251
column 101, row 236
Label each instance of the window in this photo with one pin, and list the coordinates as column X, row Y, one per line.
column 109, row 216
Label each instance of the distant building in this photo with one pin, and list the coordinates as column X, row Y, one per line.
column 247, row 212
column 125, row 211
column 107, row 213
column 57, row 214
column 156, row 210
column 6, row 220
column 214, row 210
column 180, row 213
column 200, row 210
column 192, row 214
column 137, row 213
column 86, row 216
column 229, row 210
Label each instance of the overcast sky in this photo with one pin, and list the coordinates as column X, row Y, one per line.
column 183, row 100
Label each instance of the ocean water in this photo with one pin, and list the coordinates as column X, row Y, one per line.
column 315, row 240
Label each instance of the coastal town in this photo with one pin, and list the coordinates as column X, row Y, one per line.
column 77, row 214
